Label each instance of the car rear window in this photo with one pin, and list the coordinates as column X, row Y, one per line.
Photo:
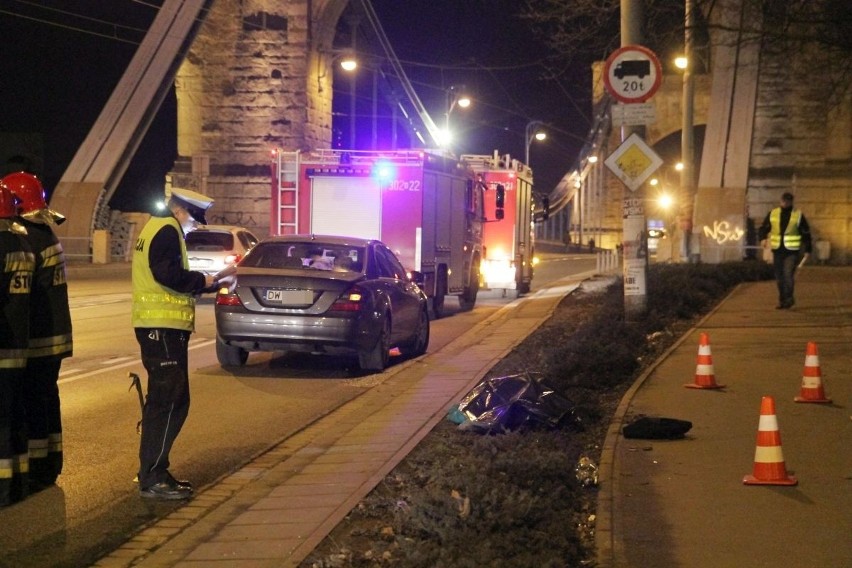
column 209, row 240
column 310, row 256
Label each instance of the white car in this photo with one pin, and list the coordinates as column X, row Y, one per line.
column 212, row 248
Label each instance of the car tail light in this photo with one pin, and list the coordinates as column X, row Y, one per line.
column 350, row 301
column 232, row 259
column 227, row 298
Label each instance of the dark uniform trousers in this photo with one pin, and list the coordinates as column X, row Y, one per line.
column 14, row 463
column 44, row 421
column 165, row 357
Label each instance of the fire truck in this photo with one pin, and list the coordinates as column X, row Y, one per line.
column 508, row 236
column 426, row 207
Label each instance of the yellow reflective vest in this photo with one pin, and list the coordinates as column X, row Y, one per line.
column 792, row 237
column 155, row 305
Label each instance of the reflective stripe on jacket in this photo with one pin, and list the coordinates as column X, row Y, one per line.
column 155, row 305
column 50, row 315
column 18, row 264
column 792, row 237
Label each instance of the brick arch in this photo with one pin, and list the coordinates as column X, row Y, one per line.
column 252, row 81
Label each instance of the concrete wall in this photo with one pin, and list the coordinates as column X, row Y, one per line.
column 803, row 144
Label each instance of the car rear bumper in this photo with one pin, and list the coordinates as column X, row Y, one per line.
column 254, row 332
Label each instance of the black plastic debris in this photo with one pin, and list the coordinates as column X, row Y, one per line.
column 657, row 428
column 501, row 404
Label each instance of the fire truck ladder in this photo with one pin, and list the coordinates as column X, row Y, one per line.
column 287, row 209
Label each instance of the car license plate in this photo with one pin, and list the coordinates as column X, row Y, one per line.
column 290, row 297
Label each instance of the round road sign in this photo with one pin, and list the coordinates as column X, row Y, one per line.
column 633, row 74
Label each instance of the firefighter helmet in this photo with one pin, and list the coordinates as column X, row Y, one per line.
column 32, row 204
column 28, row 189
column 8, row 202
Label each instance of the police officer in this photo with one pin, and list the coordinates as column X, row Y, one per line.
column 790, row 238
column 163, row 317
column 50, row 330
column 17, row 263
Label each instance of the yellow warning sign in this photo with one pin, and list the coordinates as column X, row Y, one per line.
column 633, row 162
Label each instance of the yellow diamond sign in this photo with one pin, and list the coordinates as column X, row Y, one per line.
column 633, row 162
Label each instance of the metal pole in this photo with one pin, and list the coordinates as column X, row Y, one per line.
column 375, row 109
column 634, row 229
column 687, row 146
column 353, row 22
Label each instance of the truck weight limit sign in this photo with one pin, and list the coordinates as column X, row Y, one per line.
column 633, row 74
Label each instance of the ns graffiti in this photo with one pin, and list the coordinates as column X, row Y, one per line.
column 723, row 232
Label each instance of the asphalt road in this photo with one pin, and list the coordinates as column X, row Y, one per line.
column 235, row 416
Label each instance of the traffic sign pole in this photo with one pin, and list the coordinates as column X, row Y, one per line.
column 632, row 75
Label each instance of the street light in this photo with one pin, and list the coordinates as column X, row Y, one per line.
column 532, row 131
column 456, row 97
column 346, row 57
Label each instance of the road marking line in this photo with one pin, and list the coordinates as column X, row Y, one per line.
column 125, row 362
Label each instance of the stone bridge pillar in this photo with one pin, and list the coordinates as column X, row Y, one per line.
column 256, row 77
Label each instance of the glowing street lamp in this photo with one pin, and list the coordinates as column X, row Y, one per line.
column 348, row 61
column 456, row 97
column 532, row 131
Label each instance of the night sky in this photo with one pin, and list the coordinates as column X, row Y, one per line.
column 58, row 69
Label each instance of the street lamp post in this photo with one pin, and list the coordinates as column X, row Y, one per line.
column 687, row 138
column 456, row 97
column 532, row 131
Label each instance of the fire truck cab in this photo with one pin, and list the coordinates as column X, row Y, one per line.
column 507, row 236
column 427, row 208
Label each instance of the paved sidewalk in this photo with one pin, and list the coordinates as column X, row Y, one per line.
column 274, row 511
column 682, row 503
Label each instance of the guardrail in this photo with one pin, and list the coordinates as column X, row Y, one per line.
column 97, row 249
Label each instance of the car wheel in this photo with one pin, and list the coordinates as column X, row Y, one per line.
column 230, row 356
column 420, row 341
column 438, row 306
column 440, row 292
column 468, row 299
column 376, row 358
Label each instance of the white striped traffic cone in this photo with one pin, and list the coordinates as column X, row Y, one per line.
column 769, row 468
column 704, row 374
column 812, row 389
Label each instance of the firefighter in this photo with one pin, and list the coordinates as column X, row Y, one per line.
column 163, row 316
column 50, row 330
column 17, row 263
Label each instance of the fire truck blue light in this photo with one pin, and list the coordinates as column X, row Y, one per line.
column 383, row 171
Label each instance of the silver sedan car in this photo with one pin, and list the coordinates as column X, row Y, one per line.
column 320, row 294
column 212, row 248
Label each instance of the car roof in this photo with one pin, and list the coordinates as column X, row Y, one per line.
column 325, row 239
column 228, row 228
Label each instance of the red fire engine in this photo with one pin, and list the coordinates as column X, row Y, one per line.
column 508, row 242
column 427, row 208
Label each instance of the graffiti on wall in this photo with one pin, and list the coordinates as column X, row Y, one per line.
column 724, row 232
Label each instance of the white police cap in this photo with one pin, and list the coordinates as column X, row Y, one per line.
column 195, row 203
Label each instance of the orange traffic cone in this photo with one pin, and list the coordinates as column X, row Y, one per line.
column 812, row 390
column 704, row 377
column 769, row 468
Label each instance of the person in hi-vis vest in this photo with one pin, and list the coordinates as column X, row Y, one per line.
column 790, row 239
column 163, row 315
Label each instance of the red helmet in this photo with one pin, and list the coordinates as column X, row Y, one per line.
column 28, row 189
column 8, row 202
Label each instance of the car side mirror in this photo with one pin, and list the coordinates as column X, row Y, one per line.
column 417, row 277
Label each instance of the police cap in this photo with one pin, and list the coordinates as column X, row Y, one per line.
column 196, row 204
